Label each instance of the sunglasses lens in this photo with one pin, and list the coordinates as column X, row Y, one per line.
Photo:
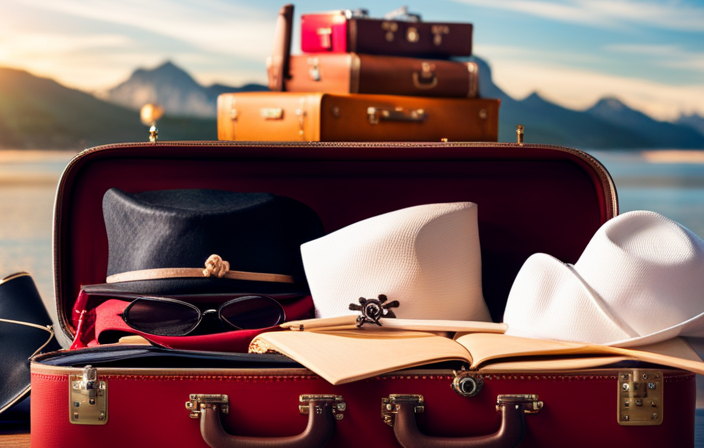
column 161, row 317
column 251, row 312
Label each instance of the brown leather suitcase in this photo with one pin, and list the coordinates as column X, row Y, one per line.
column 532, row 198
column 363, row 73
column 349, row 31
column 291, row 116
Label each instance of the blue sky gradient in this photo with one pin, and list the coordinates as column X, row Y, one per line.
column 650, row 54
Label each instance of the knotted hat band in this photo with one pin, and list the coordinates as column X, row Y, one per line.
column 215, row 266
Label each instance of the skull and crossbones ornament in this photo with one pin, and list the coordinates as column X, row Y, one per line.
column 374, row 309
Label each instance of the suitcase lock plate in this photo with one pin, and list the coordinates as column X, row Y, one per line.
column 337, row 403
column 390, row 406
column 640, row 397
column 88, row 398
column 197, row 402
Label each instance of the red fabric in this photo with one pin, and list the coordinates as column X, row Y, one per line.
column 106, row 317
column 146, row 408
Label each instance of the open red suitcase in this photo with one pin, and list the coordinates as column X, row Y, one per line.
column 531, row 198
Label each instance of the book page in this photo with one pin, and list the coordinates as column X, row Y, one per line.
column 494, row 348
column 348, row 355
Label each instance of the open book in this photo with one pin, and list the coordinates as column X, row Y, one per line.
column 346, row 355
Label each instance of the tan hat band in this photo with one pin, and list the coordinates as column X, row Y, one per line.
column 215, row 266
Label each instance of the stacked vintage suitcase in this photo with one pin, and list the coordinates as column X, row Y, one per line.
column 532, row 198
column 363, row 79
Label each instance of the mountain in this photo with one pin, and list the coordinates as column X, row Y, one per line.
column 657, row 133
column 607, row 124
column 173, row 88
column 41, row 113
column 693, row 121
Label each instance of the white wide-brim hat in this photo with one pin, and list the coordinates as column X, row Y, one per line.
column 639, row 281
column 425, row 257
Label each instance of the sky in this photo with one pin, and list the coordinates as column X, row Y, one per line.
column 649, row 54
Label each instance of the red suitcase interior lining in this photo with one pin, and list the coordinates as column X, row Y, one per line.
column 531, row 199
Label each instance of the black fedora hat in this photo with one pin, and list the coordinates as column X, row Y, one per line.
column 206, row 241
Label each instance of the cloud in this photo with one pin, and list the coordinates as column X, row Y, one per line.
column 579, row 89
column 606, row 13
column 672, row 56
column 211, row 25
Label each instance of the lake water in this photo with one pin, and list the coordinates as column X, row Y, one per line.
column 668, row 182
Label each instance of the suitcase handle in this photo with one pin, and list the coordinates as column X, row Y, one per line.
column 377, row 114
column 399, row 411
column 322, row 412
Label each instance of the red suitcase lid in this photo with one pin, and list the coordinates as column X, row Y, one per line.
column 531, row 198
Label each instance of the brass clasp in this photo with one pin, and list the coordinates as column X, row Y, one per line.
column 88, row 403
column 390, row 406
column 529, row 402
column 197, row 402
column 338, row 404
column 640, row 397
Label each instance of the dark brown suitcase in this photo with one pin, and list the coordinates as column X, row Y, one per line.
column 345, row 31
column 292, row 116
column 385, row 75
column 531, row 198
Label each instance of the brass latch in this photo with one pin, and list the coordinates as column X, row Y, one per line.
column 88, row 403
column 197, row 402
column 438, row 31
column 640, row 395
column 272, row 113
column 338, row 404
column 314, row 69
column 529, row 402
column 377, row 114
column 390, row 406
column 325, row 35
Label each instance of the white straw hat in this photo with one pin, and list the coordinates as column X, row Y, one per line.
column 639, row 281
column 425, row 257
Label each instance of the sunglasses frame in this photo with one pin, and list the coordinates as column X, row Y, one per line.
column 201, row 314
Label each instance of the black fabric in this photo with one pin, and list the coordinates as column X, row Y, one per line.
column 159, row 357
column 254, row 232
column 20, row 302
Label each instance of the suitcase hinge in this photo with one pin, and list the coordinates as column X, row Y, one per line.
column 88, row 403
column 640, row 396
column 529, row 402
column 390, row 406
column 338, row 404
column 197, row 402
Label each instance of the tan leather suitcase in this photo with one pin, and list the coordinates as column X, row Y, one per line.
column 364, row 73
column 291, row 116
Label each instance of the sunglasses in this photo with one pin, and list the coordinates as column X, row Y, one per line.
column 170, row 317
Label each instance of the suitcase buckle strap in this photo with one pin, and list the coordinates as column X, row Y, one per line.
column 198, row 402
